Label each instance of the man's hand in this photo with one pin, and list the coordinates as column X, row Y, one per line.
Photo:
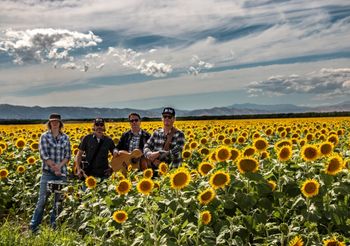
column 108, row 172
column 153, row 155
column 58, row 173
column 116, row 153
column 80, row 172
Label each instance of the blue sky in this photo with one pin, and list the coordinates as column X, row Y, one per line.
column 186, row 54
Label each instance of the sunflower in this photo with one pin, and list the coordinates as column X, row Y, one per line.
column 249, row 151
column 247, row 164
column 223, row 153
column 203, row 141
column 268, row 132
column 148, row 173
column 70, row 189
column 145, row 186
column 204, row 168
column 333, row 139
column 34, row 146
column 20, row 143
column 309, row 152
column 212, row 156
column 264, row 155
column 226, row 141
column 156, row 185
column 194, row 174
column 206, row 196
column 90, row 182
column 284, row 153
column 333, row 242
column 256, row 135
column 310, row 188
column 260, row 144
column 120, row 216
column 309, row 137
column 123, row 187
column 296, row 241
column 180, row 178
column 162, row 168
column 272, row 184
column 186, row 154
column 235, row 153
column 283, row 134
column 219, row 179
column 334, row 165
column 241, row 139
column 20, row 169
column 326, row 148
column 302, row 142
column 31, row 160
column 3, row 173
column 204, row 151
column 205, row 217
column 193, row 145
column 284, row 142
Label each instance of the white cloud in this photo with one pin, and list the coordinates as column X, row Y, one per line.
column 132, row 59
column 198, row 65
column 44, row 44
column 326, row 81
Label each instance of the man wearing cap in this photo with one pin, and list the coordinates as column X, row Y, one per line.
column 96, row 147
column 166, row 144
column 135, row 138
column 55, row 153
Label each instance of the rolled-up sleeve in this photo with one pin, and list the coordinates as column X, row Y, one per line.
column 176, row 151
column 149, row 146
column 67, row 150
column 44, row 148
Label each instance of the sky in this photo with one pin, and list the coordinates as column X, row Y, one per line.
column 186, row 54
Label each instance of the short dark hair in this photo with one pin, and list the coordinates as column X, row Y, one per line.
column 134, row 114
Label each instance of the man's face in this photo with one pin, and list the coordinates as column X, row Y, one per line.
column 135, row 122
column 168, row 120
column 55, row 124
column 99, row 127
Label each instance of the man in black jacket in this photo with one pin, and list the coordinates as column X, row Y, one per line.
column 96, row 147
column 135, row 138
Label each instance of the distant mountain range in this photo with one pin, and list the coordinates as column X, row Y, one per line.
column 13, row 112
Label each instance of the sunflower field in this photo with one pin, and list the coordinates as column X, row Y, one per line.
column 242, row 182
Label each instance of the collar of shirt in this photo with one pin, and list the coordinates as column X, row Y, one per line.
column 97, row 139
column 57, row 137
column 137, row 134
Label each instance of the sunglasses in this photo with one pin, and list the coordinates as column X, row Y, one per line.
column 167, row 117
column 99, row 124
column 134, row 120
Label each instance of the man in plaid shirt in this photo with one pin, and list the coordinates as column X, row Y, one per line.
column 55, row 153
column 154, row 148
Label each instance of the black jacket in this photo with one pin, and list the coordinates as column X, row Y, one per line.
column 125, row 139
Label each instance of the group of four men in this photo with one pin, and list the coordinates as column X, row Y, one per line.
column 164, row 145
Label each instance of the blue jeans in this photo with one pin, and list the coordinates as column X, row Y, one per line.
column 43, row 196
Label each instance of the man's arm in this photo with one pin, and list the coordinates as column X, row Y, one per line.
column 78, row 159
column 149, row 148
column 176, row 152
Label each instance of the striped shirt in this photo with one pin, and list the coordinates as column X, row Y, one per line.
column 157, row 141
column 55, row 149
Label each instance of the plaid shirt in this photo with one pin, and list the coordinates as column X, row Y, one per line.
column 157, row 141
column 135, row 141
column 55, row 150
